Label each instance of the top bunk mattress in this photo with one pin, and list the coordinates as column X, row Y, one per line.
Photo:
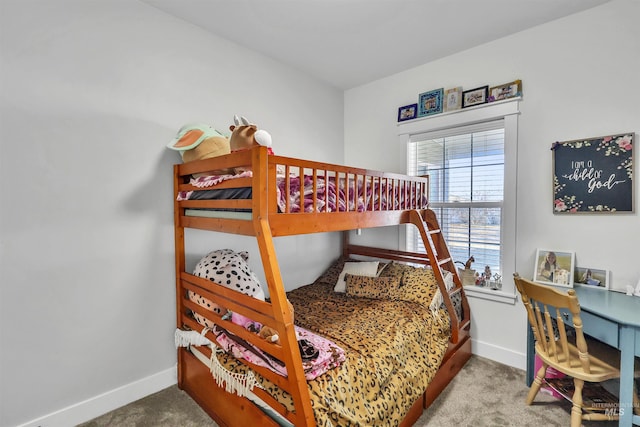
column 291, row 196
column 306, row 194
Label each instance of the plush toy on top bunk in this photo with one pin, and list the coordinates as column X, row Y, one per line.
column 245, row 135
column 198, row 141
column 230, row 269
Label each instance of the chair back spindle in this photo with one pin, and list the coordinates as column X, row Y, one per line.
column 550, row 332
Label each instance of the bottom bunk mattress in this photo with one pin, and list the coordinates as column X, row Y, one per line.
column 393, row 336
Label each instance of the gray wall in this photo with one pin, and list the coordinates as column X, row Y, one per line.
column 580, row 80
column 91, row 94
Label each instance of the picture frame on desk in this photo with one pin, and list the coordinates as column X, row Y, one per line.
column 554, row 267
column 591, row 277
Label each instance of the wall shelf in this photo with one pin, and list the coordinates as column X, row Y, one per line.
column 470, row 115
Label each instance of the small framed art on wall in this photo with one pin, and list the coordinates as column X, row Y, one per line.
column 475, row 96
column 453, row 99
column 407, row 112
column 430, row 102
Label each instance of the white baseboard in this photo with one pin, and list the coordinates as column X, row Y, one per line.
column 114, row 399
column 106, row 402
column 499, row 354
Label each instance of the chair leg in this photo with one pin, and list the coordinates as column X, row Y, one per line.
column 537, row 383
column 576, row 410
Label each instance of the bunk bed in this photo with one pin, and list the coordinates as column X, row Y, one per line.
column 260, row 202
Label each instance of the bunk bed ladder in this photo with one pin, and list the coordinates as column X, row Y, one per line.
column 440, row 259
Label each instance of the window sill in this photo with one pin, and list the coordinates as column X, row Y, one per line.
column 489, row 294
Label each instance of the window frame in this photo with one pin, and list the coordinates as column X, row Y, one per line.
column 446, row 138
column 508, row 111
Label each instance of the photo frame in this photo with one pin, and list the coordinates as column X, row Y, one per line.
column 453, row 99
column 408, row 112
column 554, row 267
column 430, row 102
column 594, row 175
column 591, row 277
column 475, row 96
column 505, row 91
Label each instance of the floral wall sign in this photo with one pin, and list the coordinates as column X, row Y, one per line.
column 593, row 175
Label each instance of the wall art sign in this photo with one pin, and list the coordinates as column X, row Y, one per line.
column 593, row 175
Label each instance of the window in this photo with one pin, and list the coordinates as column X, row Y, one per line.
column 466, row 170
column 470, row 156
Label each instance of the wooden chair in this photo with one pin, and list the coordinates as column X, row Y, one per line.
column 554, row 349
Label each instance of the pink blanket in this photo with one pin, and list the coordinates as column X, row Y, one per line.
column 329, row 355
column 329, row 197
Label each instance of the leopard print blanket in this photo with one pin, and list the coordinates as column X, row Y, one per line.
column 393, row 350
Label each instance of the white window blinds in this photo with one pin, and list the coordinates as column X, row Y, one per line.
column 466, row 169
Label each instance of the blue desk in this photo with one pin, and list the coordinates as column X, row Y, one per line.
column 613, row 318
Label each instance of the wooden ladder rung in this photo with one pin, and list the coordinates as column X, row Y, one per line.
column 444, row 261
column 434, row 231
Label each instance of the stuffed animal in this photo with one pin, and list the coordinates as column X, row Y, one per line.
column 245, row 135
column 199, row 141
column 265, row 332
column 230, row 269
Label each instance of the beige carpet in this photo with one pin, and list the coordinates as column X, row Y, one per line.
column 484, row 393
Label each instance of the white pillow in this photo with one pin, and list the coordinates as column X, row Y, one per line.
column 368, row 268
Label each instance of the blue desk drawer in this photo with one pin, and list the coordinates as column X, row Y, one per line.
column 599, row 328
column 595, row 326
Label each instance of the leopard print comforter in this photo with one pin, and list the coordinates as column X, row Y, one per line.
column 393, row 350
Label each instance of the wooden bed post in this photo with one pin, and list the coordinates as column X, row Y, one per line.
column 284, row 317
column 345, row 243
column 180, row 263
column 282, row 313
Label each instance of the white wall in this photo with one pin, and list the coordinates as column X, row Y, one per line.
column 92, row 91
column 580, row 79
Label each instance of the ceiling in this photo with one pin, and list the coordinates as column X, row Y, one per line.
column 347, row 43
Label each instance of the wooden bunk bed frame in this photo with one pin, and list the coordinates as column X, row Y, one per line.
column 267, row 222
